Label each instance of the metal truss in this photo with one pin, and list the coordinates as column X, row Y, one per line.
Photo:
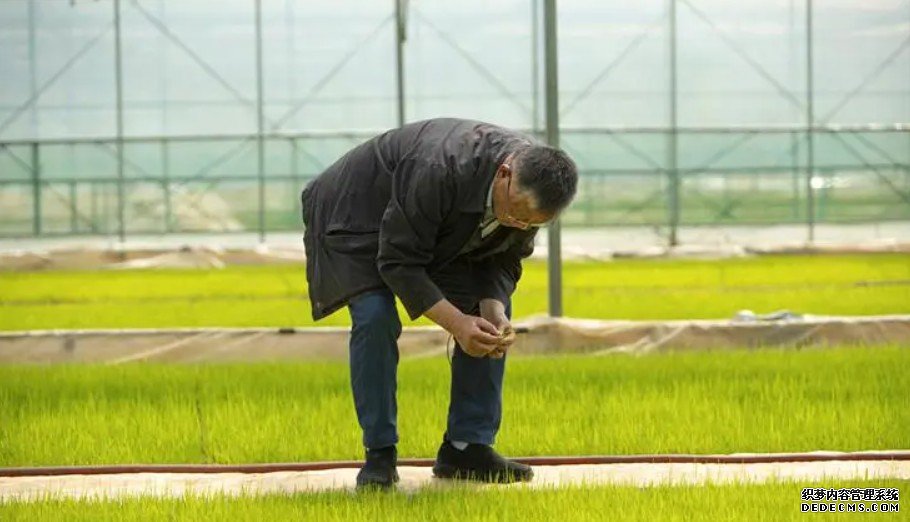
column 272, row 128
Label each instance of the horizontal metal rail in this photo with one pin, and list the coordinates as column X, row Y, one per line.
column 303, row 176
column 565, row 130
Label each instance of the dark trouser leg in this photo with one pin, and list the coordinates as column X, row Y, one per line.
column 374, row 366
column 475, row 403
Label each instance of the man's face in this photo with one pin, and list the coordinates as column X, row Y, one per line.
column 512, row 206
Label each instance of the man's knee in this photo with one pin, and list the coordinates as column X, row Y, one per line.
column 375, row 313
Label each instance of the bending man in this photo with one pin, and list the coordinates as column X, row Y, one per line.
column 439, row 213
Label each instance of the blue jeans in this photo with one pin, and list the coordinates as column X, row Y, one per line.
column 475, row 402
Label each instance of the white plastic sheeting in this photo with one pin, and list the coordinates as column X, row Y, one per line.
column 417, row 478
column 541, row 335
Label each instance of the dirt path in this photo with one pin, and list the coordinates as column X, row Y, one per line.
column 415, row 478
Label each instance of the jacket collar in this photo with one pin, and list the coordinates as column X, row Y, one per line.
column 475, row 198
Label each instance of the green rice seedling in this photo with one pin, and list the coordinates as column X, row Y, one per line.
column 770, row 400
column 625, row 289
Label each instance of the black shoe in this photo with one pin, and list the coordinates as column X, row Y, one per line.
column 478, row 462
column 380, row 470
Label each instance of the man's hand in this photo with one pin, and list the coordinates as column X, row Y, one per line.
column 476, row 336
column 495, row 312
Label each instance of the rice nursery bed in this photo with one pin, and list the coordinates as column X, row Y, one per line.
column 624, row 289
column 773, row 400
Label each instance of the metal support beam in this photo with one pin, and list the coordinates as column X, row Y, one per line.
column 359, row 135
column 554, row 254
column 93, row 206
column 673, row 134
column 166, row 185
column 163, row 84
column 260, row 143
column 295, row 173
column 32, row 67
column 36, row 190
column 535, row 67
column 290, row 24
column 794, row 161
column 106, row 210
column 793, row 73
column 810, row 122
column 74, row 206
column 118, row 76
column 400, row 35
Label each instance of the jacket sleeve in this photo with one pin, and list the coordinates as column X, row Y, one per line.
column 421, row 197
column 499, row 275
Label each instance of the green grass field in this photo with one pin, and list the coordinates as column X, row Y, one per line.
column 773, row 400
column 626, row 289
column 770, row 501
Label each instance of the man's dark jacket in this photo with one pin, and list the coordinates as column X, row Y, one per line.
column 399, row 207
